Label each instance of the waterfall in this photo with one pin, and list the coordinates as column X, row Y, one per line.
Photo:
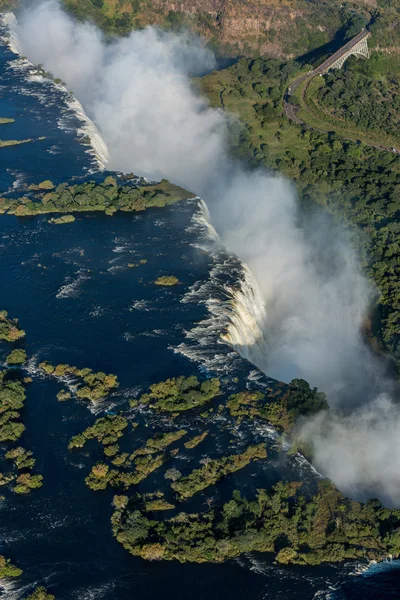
column 233, row 299
column 87, row 129
column 247, row 315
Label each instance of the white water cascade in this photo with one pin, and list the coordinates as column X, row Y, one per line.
column 245, row 332
column 87, row 129
column 233, row 299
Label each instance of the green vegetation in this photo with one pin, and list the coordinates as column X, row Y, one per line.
column 138, row 465
column 108, row 196
column 43, row 185
column 64, row 395
column 62, row 220
column 90, row 385
column 357, row 184
column 27, row 482
column 180, row 394
column 325, row 528
column 7, row 478
column 324, row 119
column 195, row 441
column 7, row 569
column 214, row 469
column 12, row 398
column 282, row 407
column 167, row 280
column 359, row 98
column 172, row 474
column 302, row 527
column 16, row 357
column 40, row 594
column 22, row 458
column 157, row 504
column 9, row 328
column 107, row 430
column 158, row 443
column 7, row 143
column 101, row 475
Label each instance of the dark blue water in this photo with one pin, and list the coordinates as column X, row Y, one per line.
column 81, row 303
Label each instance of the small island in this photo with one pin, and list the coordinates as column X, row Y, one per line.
column 16, row 357
column 87, row 385
column 12, row 400
column 9, row 328
column 108, row 196
column 62, row 220
column 167, row 280
column 180, row 394
column 40, row 594
column 7, row 569
column 7, row 143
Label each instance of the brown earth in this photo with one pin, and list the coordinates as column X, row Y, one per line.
column 277, row 28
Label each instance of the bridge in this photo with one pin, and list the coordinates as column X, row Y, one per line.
column 358, row 46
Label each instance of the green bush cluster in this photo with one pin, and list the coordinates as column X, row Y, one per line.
column 101, row 475
column 7, row 569
column 128, row 468
column 167, row 280
column 26, row 483
column 282, row 407
column 108, row 196
column 196, row 440
column 180, row 394
column 91, row 386
column 62, row 220
column 324, row 528
column 158, row 443
column 16, row 357
column 107, row 430
column 40, row 594
column 215, row 469
column 296, row 525
column 9, row 328
column 12, row 398
column 368, row 102
column 23, row 459
column 64, row 395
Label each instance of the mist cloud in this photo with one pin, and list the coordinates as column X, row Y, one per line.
column 360, row 451
column 139, row 93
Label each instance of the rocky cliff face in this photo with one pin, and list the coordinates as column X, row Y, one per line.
column 281, row 28
column 278, row 28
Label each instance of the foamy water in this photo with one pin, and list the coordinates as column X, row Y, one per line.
column 87, row 130
column 233, row 300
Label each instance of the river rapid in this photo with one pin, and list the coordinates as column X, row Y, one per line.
column 80, row 303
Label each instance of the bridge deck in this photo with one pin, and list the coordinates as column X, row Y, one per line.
column 342, row 51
